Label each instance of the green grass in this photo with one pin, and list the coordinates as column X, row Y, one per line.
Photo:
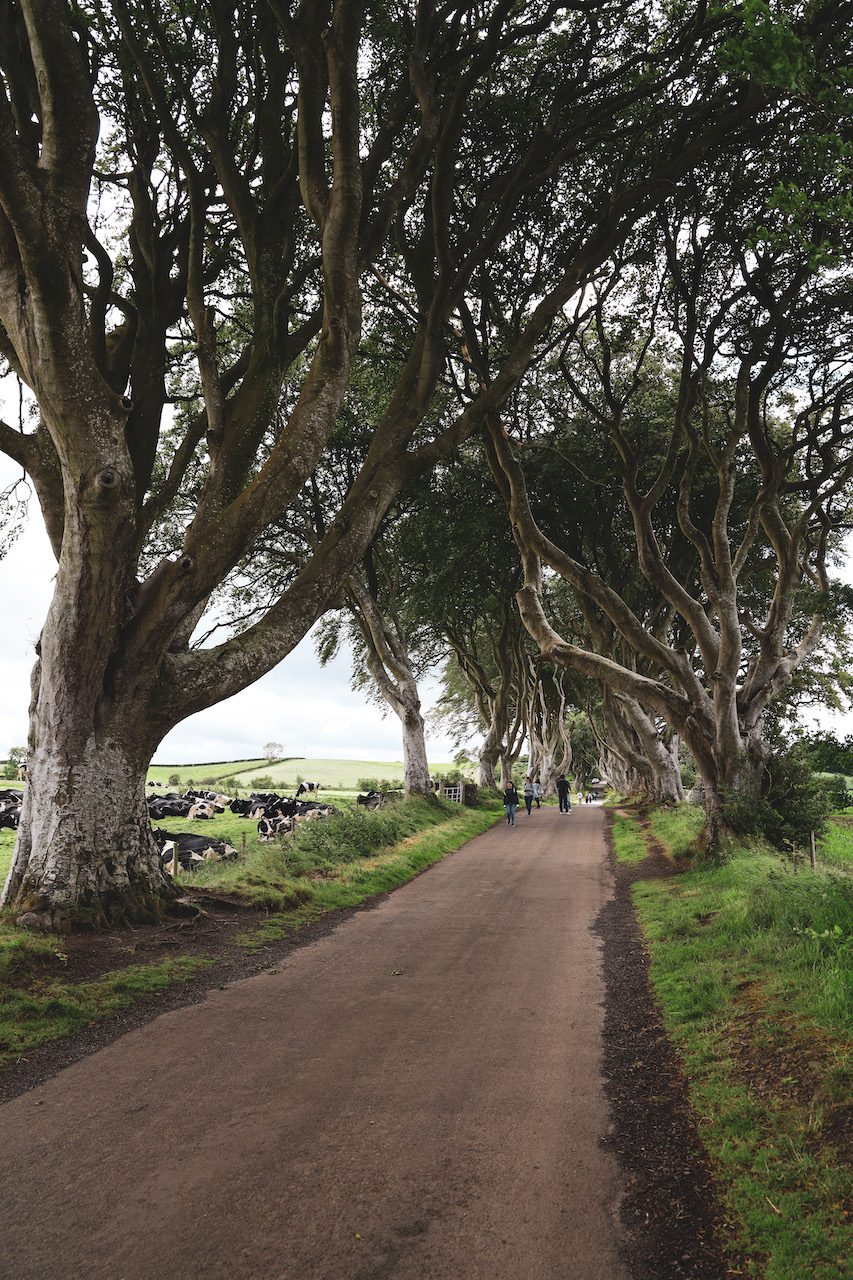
column 677, row 829
column 753, row 967
column 49, row 1008
column 340, row 861
column 835, row 848
column 7, row 847
column 628, row 839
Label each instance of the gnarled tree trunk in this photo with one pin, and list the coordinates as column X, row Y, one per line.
column 648, row 763
column 490, row 753
column 85, row 851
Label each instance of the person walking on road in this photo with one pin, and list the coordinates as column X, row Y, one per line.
column 564, row 794
column 528, row 794
column 537, row 792
column 510, row 803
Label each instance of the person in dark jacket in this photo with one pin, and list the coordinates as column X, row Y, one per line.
column 564, row 794
column 510, row 803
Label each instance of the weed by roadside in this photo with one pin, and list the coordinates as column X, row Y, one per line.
column 752, row 963
column 836, row 846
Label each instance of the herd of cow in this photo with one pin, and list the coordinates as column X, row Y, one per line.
column 275, row 815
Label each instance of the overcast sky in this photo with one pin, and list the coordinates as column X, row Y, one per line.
column 310, row 710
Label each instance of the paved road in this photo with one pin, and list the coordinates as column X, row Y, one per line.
column 416, row 1096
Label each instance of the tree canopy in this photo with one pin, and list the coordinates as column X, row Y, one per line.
column 224, row 227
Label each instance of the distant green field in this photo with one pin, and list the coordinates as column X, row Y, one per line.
column 336, row 775
column 837, row 777
column 340, row 775
column 204, row 772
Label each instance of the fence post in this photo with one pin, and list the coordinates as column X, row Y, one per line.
column 812, row 851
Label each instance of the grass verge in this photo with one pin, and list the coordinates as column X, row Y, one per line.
column 325, row 867
column 48, row 1009
column 753, row 965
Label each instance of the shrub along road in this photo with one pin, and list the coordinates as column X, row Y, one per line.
column 418, row 1094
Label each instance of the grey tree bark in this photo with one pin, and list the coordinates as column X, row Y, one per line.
column 550, row 745
column 393, row 674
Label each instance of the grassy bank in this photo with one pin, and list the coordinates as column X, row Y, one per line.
column 325, row 859
column 327, row 866
column 752, row 964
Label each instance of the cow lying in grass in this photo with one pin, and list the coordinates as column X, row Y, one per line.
column 10, row 810
column 192, row 805
column 284, row 820
column 185, row 852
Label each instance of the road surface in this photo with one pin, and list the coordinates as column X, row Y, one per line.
column 415, row 1096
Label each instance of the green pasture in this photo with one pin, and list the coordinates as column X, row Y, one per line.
column 837, row 777
column 752, row 963
column 285, row 775
column 203, row 774
column 7, row 844
column 835, row 847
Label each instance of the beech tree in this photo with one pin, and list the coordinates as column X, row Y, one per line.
column 194, row 201
column 639, row 752
column 762, row 409
column 461, row 573
column 387, row 656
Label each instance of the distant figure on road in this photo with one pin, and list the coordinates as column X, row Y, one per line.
column 528, row 794
column 564, row 794
column 510, row 803
column 537, row 792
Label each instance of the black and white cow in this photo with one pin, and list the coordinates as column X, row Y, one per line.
column 10, row 815
column 190, row 852
column 282, row 818
column 269, row 828
column 304, row 787
column 166, row 807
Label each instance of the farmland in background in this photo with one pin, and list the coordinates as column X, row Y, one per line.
column 334, row 775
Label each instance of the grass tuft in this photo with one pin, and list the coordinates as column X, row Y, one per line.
column 50, row 1009
column 678, row 829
